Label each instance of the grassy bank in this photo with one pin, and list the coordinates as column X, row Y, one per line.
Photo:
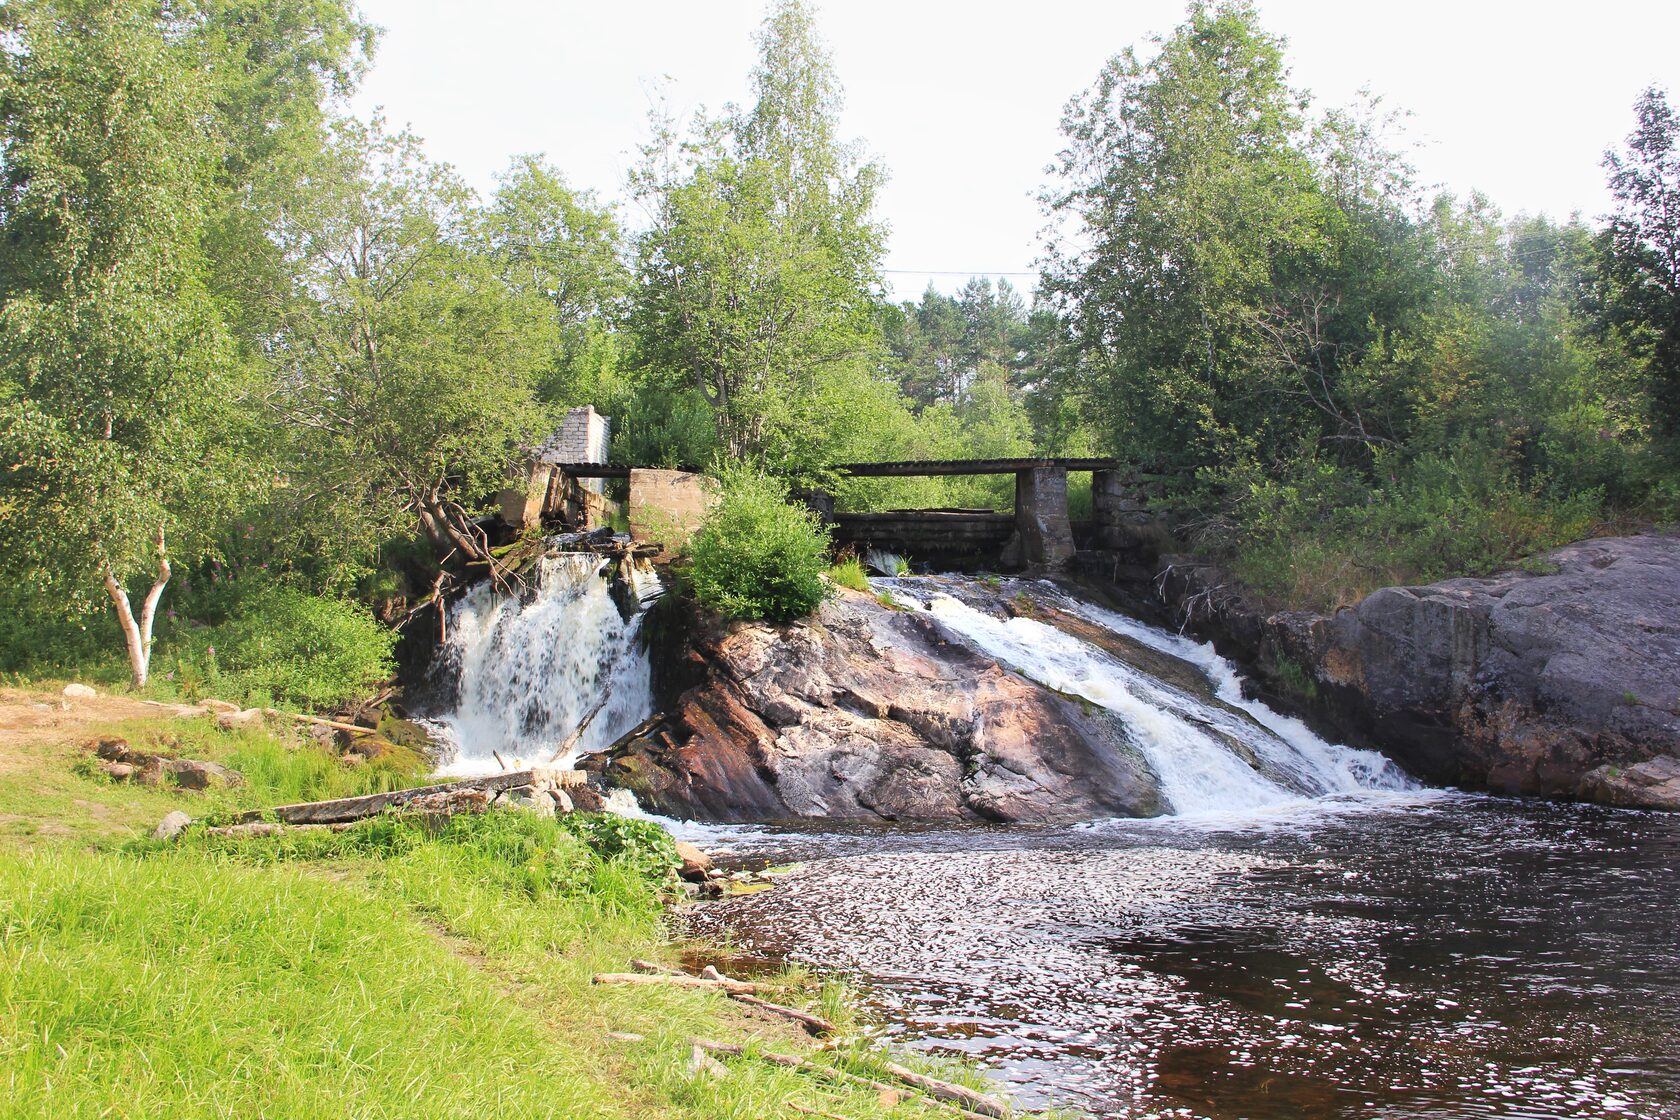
column 387, row 971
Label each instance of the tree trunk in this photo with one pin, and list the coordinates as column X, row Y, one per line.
column 138, row 633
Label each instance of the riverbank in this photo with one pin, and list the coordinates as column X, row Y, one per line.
column 1559, row 678
column 391, row 972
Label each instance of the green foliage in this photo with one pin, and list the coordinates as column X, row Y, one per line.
column 639, row 845
column 412, row 366
column 1294, row 679
column 757, row 556
column 115, row 429
column 1641, row 250
column 1323, row 540
column 849, row 573
column 286, row 647
column 755, row 282
column 1351, row 386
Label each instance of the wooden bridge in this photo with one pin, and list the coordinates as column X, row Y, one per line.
column 1037, row 535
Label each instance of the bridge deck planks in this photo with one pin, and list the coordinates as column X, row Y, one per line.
column 929, row 467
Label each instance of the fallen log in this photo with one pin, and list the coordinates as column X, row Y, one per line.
column 733, row 987
column 571, row 740
column 815, row 1024
column 995, row 1109
column 356, row 808
column 960, row 1095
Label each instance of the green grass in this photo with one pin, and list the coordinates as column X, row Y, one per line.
column 850, row 573
column 385, row 971
column 57, row 790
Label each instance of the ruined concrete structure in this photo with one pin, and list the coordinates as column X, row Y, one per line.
column 565, row 483
column 584, row 437
column 1039, row 535
column 669, row 506
column 547, row 491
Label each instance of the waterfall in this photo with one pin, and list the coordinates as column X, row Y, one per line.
column 529, row 670
column 1210, row 754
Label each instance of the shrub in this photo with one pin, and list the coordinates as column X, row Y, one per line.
column 756, row 556
column 291, row 648
column 1319, row 541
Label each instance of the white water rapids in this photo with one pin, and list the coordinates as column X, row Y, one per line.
column 529, row 671
column 1185, row 739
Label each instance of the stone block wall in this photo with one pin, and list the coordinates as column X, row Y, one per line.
column 584, row 437
column 1043, row 534
column 668, row 506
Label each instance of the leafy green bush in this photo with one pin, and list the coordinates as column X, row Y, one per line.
column 756, row 556
column 287, row 647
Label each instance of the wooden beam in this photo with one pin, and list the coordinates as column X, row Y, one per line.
column 927, row 467
column 355, row 808
column 591, row 470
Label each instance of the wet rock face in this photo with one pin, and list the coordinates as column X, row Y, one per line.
column 864, row 712
column 1564, row 681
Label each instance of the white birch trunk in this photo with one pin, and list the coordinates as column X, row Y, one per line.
column 137, row 633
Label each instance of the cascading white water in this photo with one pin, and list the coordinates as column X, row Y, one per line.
column 1185, row 739
column 529, row 672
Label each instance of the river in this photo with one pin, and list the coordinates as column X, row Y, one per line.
column 1305, row 933
column 1308, row 934
column 1422, row 955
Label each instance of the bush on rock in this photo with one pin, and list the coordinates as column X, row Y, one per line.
column 756, row 556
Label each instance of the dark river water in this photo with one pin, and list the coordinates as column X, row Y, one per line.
column 1403, row 955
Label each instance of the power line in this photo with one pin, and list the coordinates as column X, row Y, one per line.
column 953, row 272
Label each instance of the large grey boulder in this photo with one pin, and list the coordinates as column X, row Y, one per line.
column 1544, row 682
column 865, row 712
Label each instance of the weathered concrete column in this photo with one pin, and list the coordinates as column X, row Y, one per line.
column 1116, row 507
column 668, row 506
column 522, row 505
column 1043, row 533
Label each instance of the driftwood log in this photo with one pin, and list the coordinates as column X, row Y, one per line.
column 815, row 1024
column 961, row 1099
column 355, row 808
column 733, row 987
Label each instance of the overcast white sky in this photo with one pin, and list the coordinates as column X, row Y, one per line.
column 961, row 101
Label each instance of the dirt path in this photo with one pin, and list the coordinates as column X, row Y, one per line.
column 29, row 716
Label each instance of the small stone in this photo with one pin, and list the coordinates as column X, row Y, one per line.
column 351, row 759
column 624, row 1036
column 171, row 826
column 695, row 863
column 562, row 801
column 530, row 799
column 586, row 799
column 191, row 773
column 232, row 721
column 112, row 748
column 119, row 771
column 79, row 692
column 371, row 747
column 702, row 1064
column 218, row 705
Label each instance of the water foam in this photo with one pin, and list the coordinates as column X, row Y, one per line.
column 1186, row 740
column 530, row 671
